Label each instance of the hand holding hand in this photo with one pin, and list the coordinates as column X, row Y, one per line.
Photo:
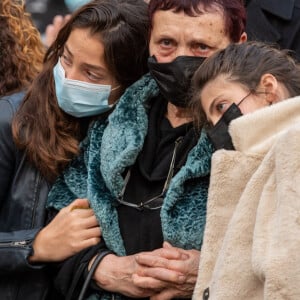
column 171, row 269
column 114, row 274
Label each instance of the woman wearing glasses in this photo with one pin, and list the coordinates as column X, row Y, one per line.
column 252, row 236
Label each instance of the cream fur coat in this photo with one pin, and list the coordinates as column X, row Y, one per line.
column 251, row 246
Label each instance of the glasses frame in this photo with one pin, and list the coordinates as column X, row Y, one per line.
column 146, row 204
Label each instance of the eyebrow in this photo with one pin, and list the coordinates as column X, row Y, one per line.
column 93, row 67
column 68, row 50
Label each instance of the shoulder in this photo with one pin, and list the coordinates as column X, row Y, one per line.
column 8, row 106
column 139, row 92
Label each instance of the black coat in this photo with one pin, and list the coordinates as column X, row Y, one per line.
column 275, row 21
column 23, row 194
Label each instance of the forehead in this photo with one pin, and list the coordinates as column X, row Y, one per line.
column 210, row 25
column 85, row 46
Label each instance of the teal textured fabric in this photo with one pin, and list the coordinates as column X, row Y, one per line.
column 110, row 149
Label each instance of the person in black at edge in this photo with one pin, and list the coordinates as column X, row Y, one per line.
column 275, row 21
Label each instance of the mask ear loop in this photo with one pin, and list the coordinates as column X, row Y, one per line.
column 245, row 98
column 115, row 88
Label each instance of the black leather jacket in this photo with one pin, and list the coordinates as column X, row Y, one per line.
column 23, row 194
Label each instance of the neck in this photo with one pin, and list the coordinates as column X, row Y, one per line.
column 178, row 116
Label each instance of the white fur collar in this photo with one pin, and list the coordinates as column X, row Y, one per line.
column 256, row 132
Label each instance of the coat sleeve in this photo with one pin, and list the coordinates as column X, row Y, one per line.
column 72, row 184
column 15, row 246
column 276, row 240
column 7, row 148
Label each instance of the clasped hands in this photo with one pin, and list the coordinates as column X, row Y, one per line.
column 165, row 273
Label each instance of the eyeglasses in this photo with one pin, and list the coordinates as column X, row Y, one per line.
column 157, row 201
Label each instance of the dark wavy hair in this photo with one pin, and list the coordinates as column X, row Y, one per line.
column 234, row 12
column 21, row 48
column 245, row 63
column 51, row 137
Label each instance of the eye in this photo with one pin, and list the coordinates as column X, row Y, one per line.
column 66, row 60
column 166, row 43
column 201, row 49
column 221, row 107
column 92, row 76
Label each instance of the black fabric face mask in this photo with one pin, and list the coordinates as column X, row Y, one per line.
column 219, row 134
column 174, row 78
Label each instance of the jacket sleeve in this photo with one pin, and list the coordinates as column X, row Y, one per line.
column 72, row 184
column 7, row 148
column 15, row 246
column 276, row 240
column 71, row 273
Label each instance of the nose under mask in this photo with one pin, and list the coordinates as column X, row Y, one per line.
column 219, row 134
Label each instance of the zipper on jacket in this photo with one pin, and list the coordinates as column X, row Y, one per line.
column 15, row 244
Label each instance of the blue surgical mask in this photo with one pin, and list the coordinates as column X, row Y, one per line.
column 79, row 98
column 74, row 4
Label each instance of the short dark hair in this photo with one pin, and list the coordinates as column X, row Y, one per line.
column 233, row 10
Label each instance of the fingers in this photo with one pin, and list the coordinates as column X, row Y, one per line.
column 161, row 274
column 148, row 283
column 154, row 261
column 165, row 294
column 53, row 29
column 168, row 253
column 79, row 203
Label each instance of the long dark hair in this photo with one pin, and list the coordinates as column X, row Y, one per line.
column 51, row 137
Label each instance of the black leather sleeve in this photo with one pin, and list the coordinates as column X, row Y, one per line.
column 72, row 272
column 7, row 148
column 15, row 248
column 15, row 245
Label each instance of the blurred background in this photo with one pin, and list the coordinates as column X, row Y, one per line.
column 43, row 11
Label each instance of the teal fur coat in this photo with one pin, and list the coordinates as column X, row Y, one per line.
column 113, row 145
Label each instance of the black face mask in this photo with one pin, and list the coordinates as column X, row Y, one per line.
column 219, row 134
column 174, row 78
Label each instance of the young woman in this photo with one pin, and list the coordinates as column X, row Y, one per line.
column 252, row 236
column 96, row 56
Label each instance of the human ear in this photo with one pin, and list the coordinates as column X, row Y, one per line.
column 269, row 85
column 243, row 38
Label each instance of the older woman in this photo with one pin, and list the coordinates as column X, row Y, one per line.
column 148, row 170
column 252, row 236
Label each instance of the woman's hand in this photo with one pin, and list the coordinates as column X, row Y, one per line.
column 171, row 269
column 53, row 29
column 114, row 274
column 74, row 228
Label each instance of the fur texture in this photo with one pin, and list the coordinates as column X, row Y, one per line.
column 252, row 236
column 110, row 149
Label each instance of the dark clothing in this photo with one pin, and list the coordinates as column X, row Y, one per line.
column 275, row 21
column 141, row 230
column 23, row 195
column 114, row 148
column 43, row 11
